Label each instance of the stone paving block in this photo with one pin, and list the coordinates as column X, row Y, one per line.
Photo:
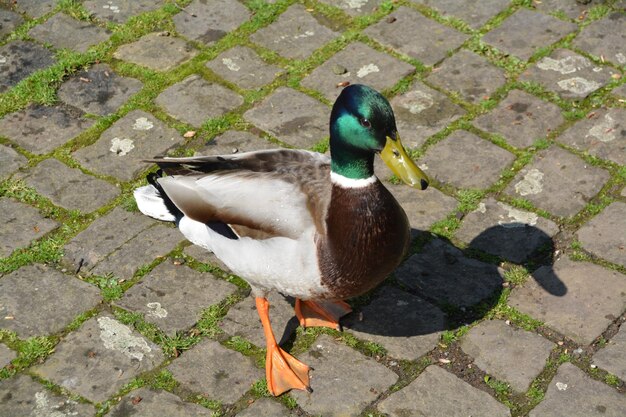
column 146, row 402
column 291, row 116
column 242, row 66
column 355, row 8
column 409, row 32
column 266, row 408
column 441, row 272
column 525, row 31
column 22, row 396
column 10, row 161
column 474, row 12
column 6, row 356
column 620, row 91
column 204, row 256
column 40, row 129
column 604, row 234
column 98, row 359
column 572, row 393
column 568, row 74
column 502, row 230
column 195, row 100
column 20, row 224
column 521, row 119
column 122, row 147
column 69, row 187
column 466, row 161
column 295, row 34
column 510, row 354
column 20, row 59
column 98, row 90
column 343, row 380
column 119, row 11
column 578, row 299
column 216, row 372
column 208, row 22
column 9, row 21
column 173, row 297
column 605, row 38
column 602, row 133
column 63, row 31
column 558, row 181
column 407, row 326
column 156, row 51
column 572, row 9
column 235, row 141
column 357, row 63
column 469, row 74
column 42, row 300
column 421, row 112
column 35, row 8
column 613, row 356
column 437, row 392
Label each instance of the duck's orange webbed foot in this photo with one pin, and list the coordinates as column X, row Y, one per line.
column 321, row 313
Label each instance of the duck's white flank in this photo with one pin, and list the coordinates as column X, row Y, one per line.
column 346, row 182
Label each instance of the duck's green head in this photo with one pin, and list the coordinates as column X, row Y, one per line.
column 362, row 124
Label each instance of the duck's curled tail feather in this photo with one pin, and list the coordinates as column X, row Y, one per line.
column 154, row 202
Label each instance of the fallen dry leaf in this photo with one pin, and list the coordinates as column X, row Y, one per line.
column 189, row 134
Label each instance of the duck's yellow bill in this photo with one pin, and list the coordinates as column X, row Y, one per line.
column 402, row 165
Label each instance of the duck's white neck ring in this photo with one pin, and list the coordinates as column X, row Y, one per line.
column 345, row 182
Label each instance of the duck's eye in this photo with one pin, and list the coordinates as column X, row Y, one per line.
column 365, row 123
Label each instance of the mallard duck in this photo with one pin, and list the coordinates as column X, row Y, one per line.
column 315, row 228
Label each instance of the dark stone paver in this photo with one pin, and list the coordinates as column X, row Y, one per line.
column 572, row 393
column 612, row 357
column 208, row 22
column 565, row 296
column 235, row 141
column 437, row 392
column 620, row 91
column 37, row 300
column 35, row 8
column 605, row 38
column 10, row 161
column 119, row 11
column 473, row 12
column 469, row 74
column 146, row 402
column 98, row 90
column 295, row 34
column 266, row 408
column 20, row 59
column 243, row 67
column 9, row 21
column 6, row 356
column 604, row 234
column 558, row 181
column 414, row 35
column 216, row 372
column 62, row 31
column 521, row 119
column 467, row 161
column 423, row 208
column 343, row 380
column 195, row 100
column 573, row 9
column 157, row 51
column 357, row 63
column 20, row 224
column 40, row 129
column 100, row 358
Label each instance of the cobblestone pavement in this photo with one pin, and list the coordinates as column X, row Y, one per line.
column 510, row 302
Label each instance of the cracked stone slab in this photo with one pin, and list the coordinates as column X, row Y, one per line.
column 416, row 36
column 99, row 358
column 508, row 353
column 602, row 133
column 613, row 356
column 441, row 272
column 20, row 224
column 604, row 234
column 525, row 31
column 147, row 402
column 265, row 407
column 156, row 51
column 195, row 100
column 578, row 299
column 98, row 90
column 41, row 300
column 474, row 12
column 119, row 11
column 466, row 161
column 469, row 74
column 558, row 181
column 40, row 129
column 521, row 119
column 36, row 8
column 208, row 22
column 357, row 63
column 605, row 38
column 216, row 372
column 568, row 74
column 20, row 59
column 437, row 392
column 63, row 31
column 69, row 187
column 574, row 394
column 9, row 21
column 22, row 396
column 122, row 147
column 10, row 161
column 499, row 229
column 235, row 141
column 242, row 66
column 343, row 380
column 295, row 34
column 6, row 356
column 173, row 297
column 292, row 117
